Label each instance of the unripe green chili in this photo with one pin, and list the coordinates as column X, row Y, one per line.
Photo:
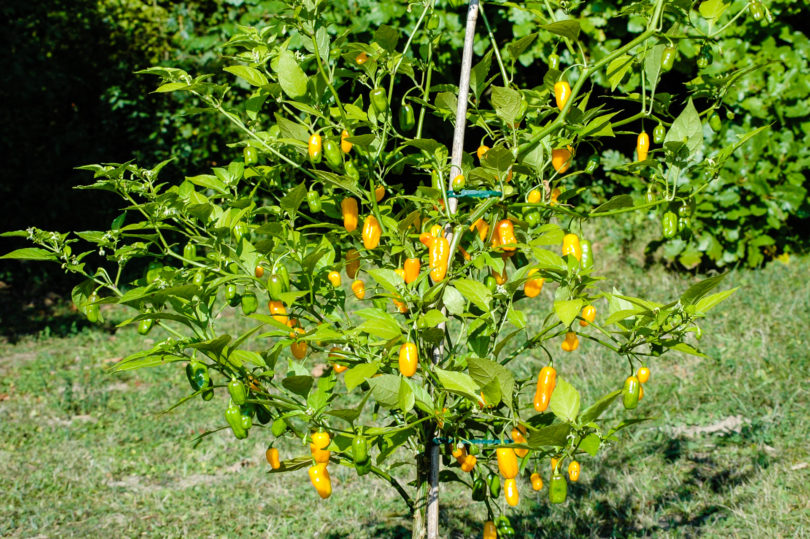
column 407, row 120
column 659, row 134
column 669, row 225
column 553, row 61
column 145, row 325
column 668, row 58
column 479, row 490
column 558, row 488
column 314, row 201
column 359, row 449
column 715, row 123
column 586, row 262
column 251, row 155
column 379, row 100
column 237, row 391
column 351, row 170
column 333, row 155
column 234, row 418
column 494, row 485
column 592, row 165
column 249, row 303
column 630, row 392
column 197, row 374
column 279, row 427
column 190, row 251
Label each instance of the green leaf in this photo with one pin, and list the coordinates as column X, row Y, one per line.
column 252, row 75
column 617, row 68
column 386, row 278
column 293, row 199
column 484, row 372
column 291, row 77
column 171, row 87
column 567, row 28
column 552, row 435
column 596, row 409
column 458, row 382
column 652, row 66
column 686, row 349
column 359, row 373
column 453, row 300
column 590, row 444
column 615, row 203
column 406, row 397
column 432, row 318
column 599, row 127
column 291, row 465
column 379, row 323
column 385, row 389
column 697, row 291
column 479, row 73
column 686, row 129
column 564, row 401
column 568, row 310
column 475, row 292
column 712, row 9
column 300, row 385
column 498, row 159
column 709, row 302
column 548, row 260
column 387, row 37
column 31, row 253
column 516, row 318
column 506, row 103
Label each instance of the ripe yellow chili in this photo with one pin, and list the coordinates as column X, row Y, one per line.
column 278, row 311
column 439, row 255
column 510, row 492
column 482, row 149
column 408, row 359
column 349, row 208
column 272, row 458
column 359, row 289
column 571, row 342
column 371, row 232
column 571, row 246
column 482, row 227
column 561, row 159
column 537, row 481
column 334, row 278
column 642, row 145
column 507, row 462
column 298, row 348
column 643, row 374
column 337, row 353
column 379, row 193
column 532, row 287
column 546, row 382
column 519, row 438
column 562, row 91
column 314, row 148
column 345, row 145
column 319, row 476
column 506, row 235
column 533, row 197
column 573, row 470
column 588, row 315
column 412, row 267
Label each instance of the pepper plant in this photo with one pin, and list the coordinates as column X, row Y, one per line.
column 343, row 170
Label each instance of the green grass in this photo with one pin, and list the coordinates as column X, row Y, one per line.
column 86, row 453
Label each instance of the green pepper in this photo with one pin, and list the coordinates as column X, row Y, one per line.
column 684, row 210
column 249, row 303
column 208, row 394
column 239, row 230
column 668, row 58
column 479, row 490
column 715, row 123
column 359, row 449
column 237, row 391
column 458, row 183
column 153, row 271
column 247, row 410
column 532, row 218
column 407, row 119
column 553, row 61
column 558, row 489
column 279, row 427
column 379, row 100
column 593, row 164
column 314, row 201
column 502, row 522
column 683, row 225
column 90, row 310
column 274, row 287
column 586, row 261
column 659, row 134
column 494, row 485
column 756, row 11
column 650, row 196
column 198, row 279
column 263, row 415
column 506, row 532
column 669, row 225
column 705, row 58
column 145, row 325
column 189, row 251
column 363, row 468
column 491, row 283
column 351, row 170
column 333, row 155
column 630, row 392
column 233, row 416
column 197, row 374
column 230, row 292
column 251, row 155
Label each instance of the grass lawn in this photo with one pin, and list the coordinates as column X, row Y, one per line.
column 85, row 453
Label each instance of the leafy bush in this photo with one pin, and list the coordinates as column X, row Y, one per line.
column 340, row 165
